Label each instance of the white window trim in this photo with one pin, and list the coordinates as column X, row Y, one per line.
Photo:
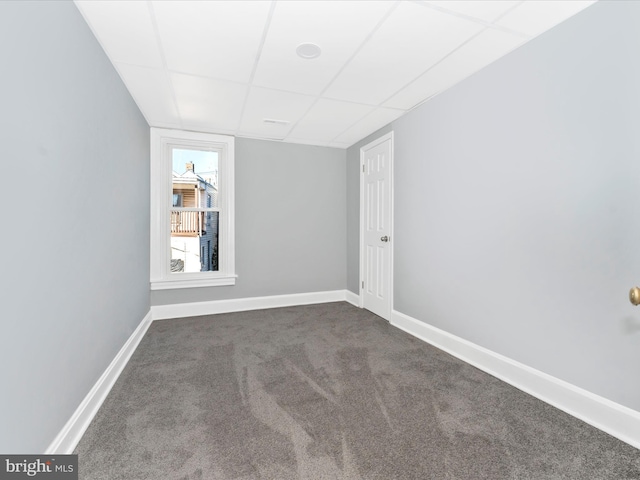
column 162, row 140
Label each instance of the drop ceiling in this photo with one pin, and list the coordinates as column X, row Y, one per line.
column 231, row 67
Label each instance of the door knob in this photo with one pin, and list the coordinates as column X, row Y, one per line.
column 634, row 295
column 386, row 239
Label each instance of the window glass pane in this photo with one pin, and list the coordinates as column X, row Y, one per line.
column 195, row 178
column 194, row 241
column 194, row 235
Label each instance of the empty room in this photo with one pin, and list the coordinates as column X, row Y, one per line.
column 301, row 239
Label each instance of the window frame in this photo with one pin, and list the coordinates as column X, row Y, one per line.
column 162, row 143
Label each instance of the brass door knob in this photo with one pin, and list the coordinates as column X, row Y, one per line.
column 634, row 295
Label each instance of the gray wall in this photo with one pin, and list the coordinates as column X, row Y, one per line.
column 75, row 267
column 516, row 204
column 290, row 223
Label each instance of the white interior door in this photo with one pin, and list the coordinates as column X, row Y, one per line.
column 376, row 226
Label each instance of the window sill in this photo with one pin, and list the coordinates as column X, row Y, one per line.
column 171, row 284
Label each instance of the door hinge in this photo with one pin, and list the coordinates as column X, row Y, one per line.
column 363, row 284
column 362, row 168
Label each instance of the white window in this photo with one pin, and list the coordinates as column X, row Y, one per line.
column 192, row 207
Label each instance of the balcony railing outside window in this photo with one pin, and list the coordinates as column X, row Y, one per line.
column 187, row 223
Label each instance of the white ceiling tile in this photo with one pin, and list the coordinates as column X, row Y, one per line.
column 125, row 31
column 212, row 39
column 188, row 64
column 339, row 28
column 411, row 40
column 372, row 122
column 151, row 90
column 536, row 16
column 327, row 119
column 483, row 49
column 276, row 105
column 214, row 105
column 487, row 10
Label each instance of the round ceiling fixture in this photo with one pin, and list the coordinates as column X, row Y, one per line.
column 308, row 50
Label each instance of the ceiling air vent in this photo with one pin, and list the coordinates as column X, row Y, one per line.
column 273, row 121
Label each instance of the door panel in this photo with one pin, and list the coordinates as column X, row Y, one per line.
column 376, row 268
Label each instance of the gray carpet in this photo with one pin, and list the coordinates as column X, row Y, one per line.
column 327, row 392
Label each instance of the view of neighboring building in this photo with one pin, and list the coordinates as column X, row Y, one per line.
column 194, row 234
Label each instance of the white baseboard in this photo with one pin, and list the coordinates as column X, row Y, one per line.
column 68, row 438
column 604, row 414
column 179, row 310
column 352, row 298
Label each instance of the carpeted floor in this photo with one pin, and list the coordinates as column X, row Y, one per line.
column 327, row 392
